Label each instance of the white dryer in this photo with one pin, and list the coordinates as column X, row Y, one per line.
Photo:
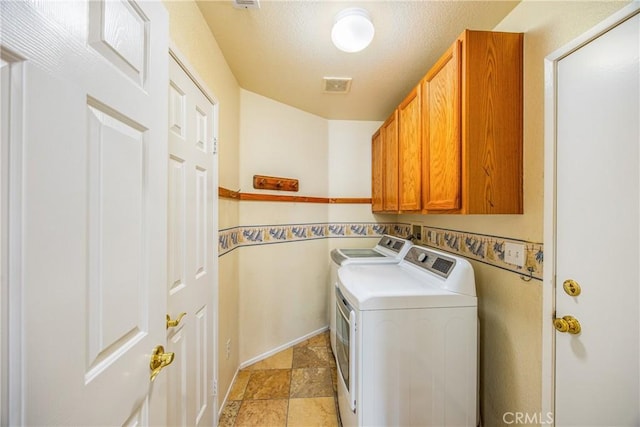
column 407, row 342
column 388, row 250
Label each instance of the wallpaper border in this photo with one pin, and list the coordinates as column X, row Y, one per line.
column 252, row 235
column 479, row 247
column 485, row 248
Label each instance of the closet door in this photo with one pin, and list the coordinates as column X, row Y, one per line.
column 597, row 224
column 87, row 210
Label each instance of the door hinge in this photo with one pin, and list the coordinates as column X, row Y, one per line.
column 215, row 145
column 214, row 387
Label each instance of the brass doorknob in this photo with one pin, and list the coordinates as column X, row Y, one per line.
column 571, row 287
column 159, row 359
column 175, row 322
column 567, row 324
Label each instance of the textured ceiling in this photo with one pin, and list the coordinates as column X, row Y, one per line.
column 283, row 50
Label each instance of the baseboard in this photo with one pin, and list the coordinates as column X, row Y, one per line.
column 282, row 347
column 264, row 356
column 226, row 396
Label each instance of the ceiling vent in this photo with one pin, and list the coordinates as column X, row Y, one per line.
column 336, row 84
column 246, row 4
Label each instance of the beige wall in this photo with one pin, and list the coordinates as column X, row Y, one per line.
column 191, row 36
column 349, row 156
column 279, row 140
column 228, row 302
column 283, row 287
column 509, row 308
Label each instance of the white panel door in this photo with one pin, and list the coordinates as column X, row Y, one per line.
column 191, row 254
column 88, row 214
column 598, row 230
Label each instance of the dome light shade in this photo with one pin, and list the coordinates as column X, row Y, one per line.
column 352, row 30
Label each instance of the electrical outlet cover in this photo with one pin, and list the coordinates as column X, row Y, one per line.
column 514, row 253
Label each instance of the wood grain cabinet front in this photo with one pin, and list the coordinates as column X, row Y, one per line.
column 454, row 145
column 472, row 126
column 377, row 172
column 389, row 131
column 441, row 166
column 410, row 152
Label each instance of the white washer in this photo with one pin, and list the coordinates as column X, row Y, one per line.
column 388, row 250
column 407, row 342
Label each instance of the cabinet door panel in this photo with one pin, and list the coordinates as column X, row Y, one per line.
column 390, row 143
column 442, row 134
column 376, row 172
column 409, row 151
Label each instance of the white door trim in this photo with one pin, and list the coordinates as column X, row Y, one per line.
column 199, row 82
column 11, row 241
column 550, row 132
column 190, row 70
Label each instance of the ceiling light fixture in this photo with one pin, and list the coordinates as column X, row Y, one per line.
column 352, row 30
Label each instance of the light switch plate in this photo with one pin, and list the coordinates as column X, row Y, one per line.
column 514, row 253
column 417, row 231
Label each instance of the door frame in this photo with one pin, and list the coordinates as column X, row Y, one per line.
column 550, row 177
column 11, row 247
column 181, row 59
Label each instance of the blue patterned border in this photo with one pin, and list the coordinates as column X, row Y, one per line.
column 486, row 249
column 235, row 237
column 479, row 247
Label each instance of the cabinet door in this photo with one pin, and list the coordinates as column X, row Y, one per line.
column 390, row 176
column 376, row 172
column 441, row 133
column 409, row 151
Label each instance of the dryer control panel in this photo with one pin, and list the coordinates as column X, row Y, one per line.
column 392, row 243
column 434, row 262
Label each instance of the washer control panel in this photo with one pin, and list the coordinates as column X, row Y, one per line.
column 434, row 262
column 392, row 243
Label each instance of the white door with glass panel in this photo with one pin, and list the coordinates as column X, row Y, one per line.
column 596, row 266
column 191, row 311
column 86, row 213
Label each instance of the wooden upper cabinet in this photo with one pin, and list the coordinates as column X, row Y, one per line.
column 389, row 133
column 409, row 152
column 472, row 127
column 377, row 173
column 454, row 145
column 441, row 133
column 492, row 102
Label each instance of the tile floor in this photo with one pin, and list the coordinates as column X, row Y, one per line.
column 295, row 387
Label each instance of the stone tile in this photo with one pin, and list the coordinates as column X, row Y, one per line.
column 239, row 385
column 312, row 357
column 318, row 411
column 280, row 360
column 311, row 382
column 316, row 341
column 272, row 413
column 229, row 413
column 334, row 379
column 268, row 384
